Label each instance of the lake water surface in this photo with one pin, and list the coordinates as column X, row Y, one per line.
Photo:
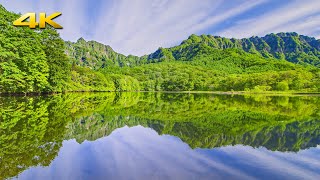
column 160, row 136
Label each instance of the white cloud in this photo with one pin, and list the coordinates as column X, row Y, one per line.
column 291, row 17
column 308, row 25
column 141, row 26
column 135, row 27
column 73, row 19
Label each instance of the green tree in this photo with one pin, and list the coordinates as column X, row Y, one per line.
column 59, row 65
column 282, row 86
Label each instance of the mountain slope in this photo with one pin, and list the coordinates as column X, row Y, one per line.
column 210, row 63
column 96, row 55
column 290, row 46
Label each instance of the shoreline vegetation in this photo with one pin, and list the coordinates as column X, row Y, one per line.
column 41, row 62
column 266, row 93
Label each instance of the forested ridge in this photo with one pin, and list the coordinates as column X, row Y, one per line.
column 37, row 61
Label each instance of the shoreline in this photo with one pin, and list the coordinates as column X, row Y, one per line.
column 266, row 93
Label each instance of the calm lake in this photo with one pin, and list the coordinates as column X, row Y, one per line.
column 160, row 136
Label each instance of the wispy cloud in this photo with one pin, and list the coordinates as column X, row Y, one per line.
column 141, row 26
column 299, row 16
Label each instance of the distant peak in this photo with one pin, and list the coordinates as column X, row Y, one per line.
column 81, row 40
column 288, row 34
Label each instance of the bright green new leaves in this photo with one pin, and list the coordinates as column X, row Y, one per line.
column 59, row 65
column 23, row 61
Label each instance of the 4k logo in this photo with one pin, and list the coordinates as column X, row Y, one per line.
column 43, row 20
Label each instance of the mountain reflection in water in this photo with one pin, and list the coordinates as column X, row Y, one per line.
column 159, row 135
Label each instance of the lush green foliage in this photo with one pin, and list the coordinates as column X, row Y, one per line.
column 58, row 62
column 23, row 63
column 198, row 65
column 226, row 70
column 30, row 61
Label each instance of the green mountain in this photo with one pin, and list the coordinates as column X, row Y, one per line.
column 292, row 47
column 198, row 65
column 96, row 55
column 41, row 62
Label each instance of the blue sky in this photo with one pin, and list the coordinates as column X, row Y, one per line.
column 141, row 26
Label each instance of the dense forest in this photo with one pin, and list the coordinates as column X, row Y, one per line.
column 32, row 129
column 39, row 61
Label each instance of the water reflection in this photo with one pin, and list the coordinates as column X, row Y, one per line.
column 140, row 153
column 78, row 135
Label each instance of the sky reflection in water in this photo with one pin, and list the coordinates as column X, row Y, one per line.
column 140, row 153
